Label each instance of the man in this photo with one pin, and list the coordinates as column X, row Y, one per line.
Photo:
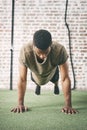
column 43, row 57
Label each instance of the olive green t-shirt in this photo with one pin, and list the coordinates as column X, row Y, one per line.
column 43, row 72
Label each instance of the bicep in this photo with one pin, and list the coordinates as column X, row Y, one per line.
column 64, row 71
column 22, row 72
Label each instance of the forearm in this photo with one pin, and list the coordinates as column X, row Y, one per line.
column 66, row 86
column 21, row 92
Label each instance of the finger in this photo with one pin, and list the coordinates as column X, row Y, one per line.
column 12, row 110
column 26, row 108
column 21, row 110
column 18, row 110
column 74, row 112
column 69, row 112
column 63, row 110
column 66, row 111
column 15, row 110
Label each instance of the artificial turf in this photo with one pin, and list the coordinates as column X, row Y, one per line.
column 44, row 111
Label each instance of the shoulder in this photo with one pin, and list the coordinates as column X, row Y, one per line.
column 27, row 48
column 58, row 53
column 56, row 47
column 26, row 54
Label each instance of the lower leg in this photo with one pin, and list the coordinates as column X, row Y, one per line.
column 56, row 88
column 56, row 83
column 37, row 90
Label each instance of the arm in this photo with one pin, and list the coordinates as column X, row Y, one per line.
column 66, row 86
column 22, row 84
column 21, row 89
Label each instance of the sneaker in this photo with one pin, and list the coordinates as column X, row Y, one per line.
column 56, row 90
column 37, row 91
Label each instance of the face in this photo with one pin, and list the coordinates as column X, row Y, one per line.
column 40, row 53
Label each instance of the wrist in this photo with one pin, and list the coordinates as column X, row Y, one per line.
column 20, row 102
column 68, row 103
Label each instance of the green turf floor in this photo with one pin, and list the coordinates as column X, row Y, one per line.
column 45, row 112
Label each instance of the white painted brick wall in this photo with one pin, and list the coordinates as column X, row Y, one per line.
column 31, row 15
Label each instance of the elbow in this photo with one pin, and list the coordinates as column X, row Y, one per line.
column 22, row 79
column 65, row 78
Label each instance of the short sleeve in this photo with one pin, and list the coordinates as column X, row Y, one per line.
column 22, row 57
column 63, row 56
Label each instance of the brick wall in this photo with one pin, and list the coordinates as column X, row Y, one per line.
column 31, row 15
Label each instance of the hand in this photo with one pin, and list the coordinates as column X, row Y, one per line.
column 20, row 108
column 69, row 110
